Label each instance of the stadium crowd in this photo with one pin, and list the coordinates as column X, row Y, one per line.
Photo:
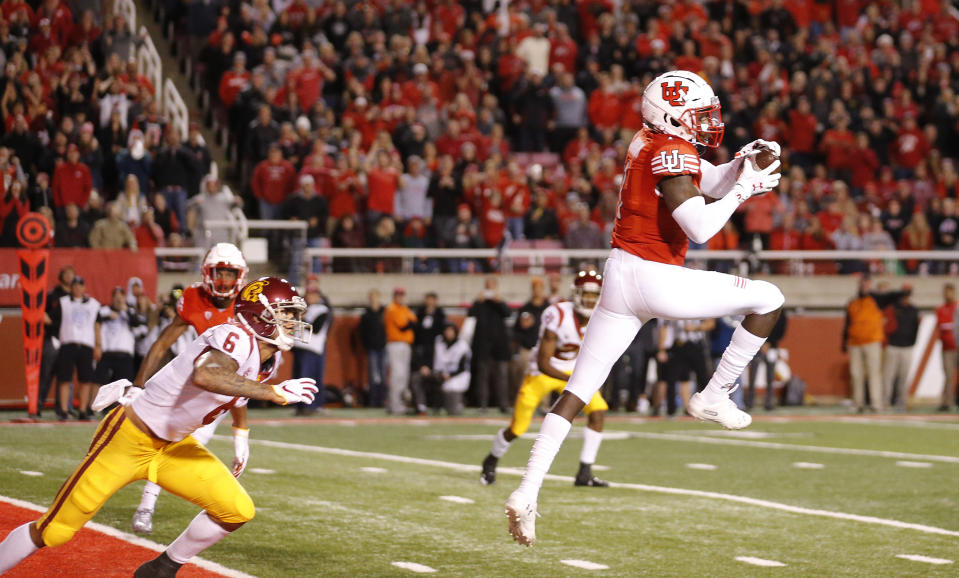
column 468, row 124
column 472, row 124
column 83, row 139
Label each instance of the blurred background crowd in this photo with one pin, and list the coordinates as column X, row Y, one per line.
column 476, row 123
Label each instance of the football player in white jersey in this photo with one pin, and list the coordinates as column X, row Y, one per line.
column 150, row 437
column 551, row 363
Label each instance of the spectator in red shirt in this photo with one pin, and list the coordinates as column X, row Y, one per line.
column 234, row 80
column 382, row 181
column 86, row 32
column 563, row 50
column 946, row 324
column 837, row 144
column 148, row 233
column 72, row 182
column 801, row 134
column 604, row 105
column 864, row 163
column 309, row 79
column 909, row 149
column 493, row 219
column 61, row 19
column 273, row 182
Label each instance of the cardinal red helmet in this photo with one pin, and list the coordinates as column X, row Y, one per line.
column 586, row 283
column 223, row 256
column 271, row 308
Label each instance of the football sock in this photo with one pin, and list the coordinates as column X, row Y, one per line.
column 150, row 494
column 591, row 441
column 198, row 536
column 16, row 547
column 742, row 348
column 554, row 430
column 500, row 445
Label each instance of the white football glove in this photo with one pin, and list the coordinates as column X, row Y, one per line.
column 756, row 146
column 241, row 450
column 301, row 390
column 752, row 182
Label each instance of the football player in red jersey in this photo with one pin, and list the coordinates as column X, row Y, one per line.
column 150, row 436
column 202, row 305
column 662, row 205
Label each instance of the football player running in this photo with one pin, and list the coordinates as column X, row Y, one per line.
column 150, row 438
column 202, row 306
column 551, row 361
column 661, row 206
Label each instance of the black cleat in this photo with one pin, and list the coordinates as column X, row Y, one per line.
column 488, row 477
column 585, row 477
column 159, row 567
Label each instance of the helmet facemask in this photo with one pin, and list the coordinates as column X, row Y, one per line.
column 219, row 287
column 585, row 300
column 287, row 319
column 705, row 123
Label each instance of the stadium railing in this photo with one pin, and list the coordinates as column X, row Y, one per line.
column 150, row 65
column 565, row 260
column 175, row 108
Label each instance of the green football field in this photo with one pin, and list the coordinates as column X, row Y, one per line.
column 353, row 493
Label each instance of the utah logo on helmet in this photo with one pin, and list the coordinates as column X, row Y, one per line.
column 682, row 104
column 272, row 310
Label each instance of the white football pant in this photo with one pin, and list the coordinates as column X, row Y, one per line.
column 636, row 290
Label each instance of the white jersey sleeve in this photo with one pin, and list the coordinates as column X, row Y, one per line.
column 173, row 406
column 559, row 319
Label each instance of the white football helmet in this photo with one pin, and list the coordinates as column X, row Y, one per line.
column 587, row 283
column 224, row 256
column 682, row 104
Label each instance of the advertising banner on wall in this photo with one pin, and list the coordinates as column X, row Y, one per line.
column 102, row 269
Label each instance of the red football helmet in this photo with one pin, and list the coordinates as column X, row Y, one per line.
column 271, row 308
column 224, row 256
column 586, row 284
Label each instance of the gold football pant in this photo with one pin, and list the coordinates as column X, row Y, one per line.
column 532, row 392
column 119, row 454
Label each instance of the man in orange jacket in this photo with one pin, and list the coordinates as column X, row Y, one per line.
column 862, row 337
column 399, row 320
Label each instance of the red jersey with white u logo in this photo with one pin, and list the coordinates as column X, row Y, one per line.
column 196, row 307
column 644, row 224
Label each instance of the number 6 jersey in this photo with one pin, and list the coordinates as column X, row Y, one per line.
column 173, row 407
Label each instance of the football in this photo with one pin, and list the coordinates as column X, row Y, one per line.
column 764, row 158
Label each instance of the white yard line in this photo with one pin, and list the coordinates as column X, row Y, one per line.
column 458, row 499
column 926, row 559
column 135, row 540
column 414, row 567
column 31, row 473
column 641, row 487
column 808, row 466
column 906, row 464
column 585, row 564
column 905, row 422
column 760, row 562
column 701, row 466
column 794, row 447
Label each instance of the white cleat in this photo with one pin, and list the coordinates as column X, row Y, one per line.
column 143, row 521
column 725, row 412
column 522, row 519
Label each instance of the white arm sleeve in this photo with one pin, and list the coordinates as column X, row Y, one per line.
column 701, row 221
column 718, row 180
